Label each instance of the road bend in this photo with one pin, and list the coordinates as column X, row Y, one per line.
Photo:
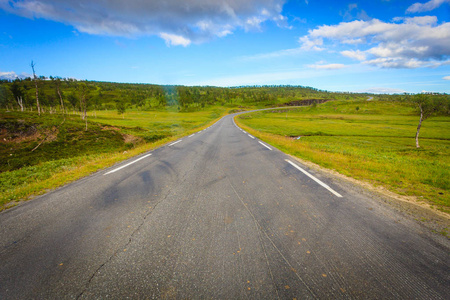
column 222, row 215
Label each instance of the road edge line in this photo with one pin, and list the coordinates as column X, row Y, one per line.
column 314, row 178
column 119, row 168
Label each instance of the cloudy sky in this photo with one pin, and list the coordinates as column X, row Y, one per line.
column 378, row 45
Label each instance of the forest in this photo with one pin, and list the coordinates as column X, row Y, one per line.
column 57, row 94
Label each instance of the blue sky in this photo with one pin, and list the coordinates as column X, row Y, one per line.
column 373, row 45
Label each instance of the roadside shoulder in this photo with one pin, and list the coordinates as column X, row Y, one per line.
column 410, row 206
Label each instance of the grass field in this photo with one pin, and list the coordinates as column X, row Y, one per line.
column 152, row 125
column 367, row 140
column 66, row 152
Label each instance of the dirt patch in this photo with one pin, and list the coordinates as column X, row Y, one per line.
column 422, row 212
column 28, row 134
column 294, row 137
column 3, row 134
column 135, row 140
column 127, row 138
column 111, row 128
column 50, row 135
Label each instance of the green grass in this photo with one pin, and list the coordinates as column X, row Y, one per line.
column 69, row 152
column 148, row 124
column 374, row 143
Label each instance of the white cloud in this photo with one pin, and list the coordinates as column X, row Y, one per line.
column 352, row 41
column 446, row 77
column 409, row 43
column 193, row 20
column 311, row 44
column 427, row 6
column 175, row 40
column 275, row 54
column 322, row 66
column 358, row 55
column 8, row 75
column 352, row 12
column 12, row 75
column 282, row 22
column 253, row 23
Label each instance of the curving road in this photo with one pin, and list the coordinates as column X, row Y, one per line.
column 220, row 215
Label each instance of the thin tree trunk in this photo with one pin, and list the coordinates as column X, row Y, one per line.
column 60, row 98
column 418, row 127
column 85, row 115
column 37, row 91
column 20, row 101
column 81, row 108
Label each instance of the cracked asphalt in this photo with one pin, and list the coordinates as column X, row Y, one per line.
column 216, row 215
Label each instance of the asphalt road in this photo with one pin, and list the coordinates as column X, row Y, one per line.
column 216, row 215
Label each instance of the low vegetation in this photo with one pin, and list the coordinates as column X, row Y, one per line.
column 367, row 140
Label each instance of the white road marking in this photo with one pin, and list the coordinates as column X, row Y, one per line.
column 251, row 136
column 127, row 164
column 191, row 135
column 175, row 143
column 265, row 145
column 314, row 178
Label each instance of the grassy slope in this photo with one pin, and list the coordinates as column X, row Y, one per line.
column 152, row 125
column 375, row 143
column 70, row 152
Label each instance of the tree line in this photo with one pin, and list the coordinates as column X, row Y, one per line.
column 56, row 94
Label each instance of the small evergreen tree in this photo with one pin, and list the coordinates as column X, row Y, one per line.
column 120, row 106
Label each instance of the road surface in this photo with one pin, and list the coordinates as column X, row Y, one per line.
column 216, row 215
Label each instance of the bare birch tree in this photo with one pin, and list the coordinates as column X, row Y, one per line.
column 83, row 101
column 428, row 106
column 20, row 102
column 58, row 91
column 37, row 90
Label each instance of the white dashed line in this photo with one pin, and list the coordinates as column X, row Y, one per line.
column 191, row 135
column 265, row 146
column 314, row 178
column 175, row 143
column 251, row 136
column 127, row 164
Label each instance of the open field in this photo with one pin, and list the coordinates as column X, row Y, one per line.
column 152, row 125
column 367, row 140
column 66, row 152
